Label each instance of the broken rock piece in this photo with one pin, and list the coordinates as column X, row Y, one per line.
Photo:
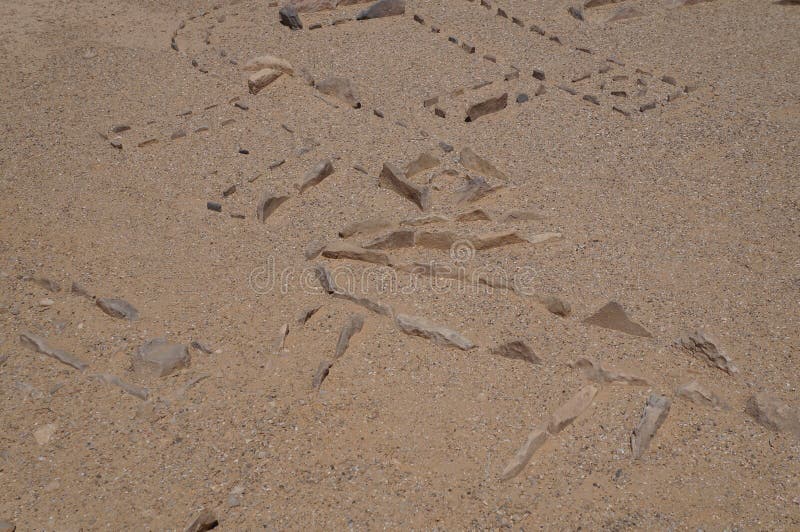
column 316, row 175
column 425, row 161
column 203, row 522
column 517, row 349
column 699, row 394
column 475, row 189
column 261, row 79
column 705, row 348
column 341, row 89
column 394, row 178
column 494, row 240
column 417, row 326
column 365, row 226
column 39, row 344
column 613, row 316
column 367, row 303
column 353, row 326
column 768, row 410
column 288, row 17
column 268, row 203
column 383, row 8
column 117, row 308
column 536, row 439
column 402, row 238
column 654, row 414
column 268, row 61
column 569, row 411
column 160, row 358
column 113, row 380
column 594, row 371
column 346, row 250
column 471, row 161
column 492, row 105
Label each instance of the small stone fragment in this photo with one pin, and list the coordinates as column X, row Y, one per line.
column 366, row 226
column 497, row 239
column 425, row 220
column 541, row 90
column 594, row 371
column 204, row 521
column 536, row 439
column 268, row 204
column 44, row 434
column 392, row 177
column 341, row 89
column 214, row 206
column 202, row 348
column 321, row 374
column 699, row 394
column 383, row 8
column 315, row 176
column 473, row 216
column 268, row 61
column 567, row 89
column 353, row 326
column 447, row 148
column 438, row 111
column 436, row 240
column 654, row 414
column 325, row 279
column 475, row 189
column 116, row 144
column 416, row 326
column 289, row 18
column 569, row 411
column 536, row 29
column 768, row 410
column 261, row 79
column 117, row 308
column 113, row 380
column 467, row 47
column 424, row 162
column 522, row 97
column 120, row 128
column 79, row 290
column 39, row 344
column 517, row 349
column 367, row 303
column 591, row 99
column 177, row 134
column 613, row 316
column 471, row 161
column 647, row 107
column 346, row 250
column 557, row 306
column 704, row 347
column 314, row 248
column 575, row 12
column 403, row 238
column 306, row 314
column 160, row 358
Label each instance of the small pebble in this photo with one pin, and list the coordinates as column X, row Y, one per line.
column 214, row 206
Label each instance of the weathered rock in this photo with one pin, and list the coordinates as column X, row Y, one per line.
column 268, row 203
column 312, row 6
column 576, row 12
column 268, row 61
column 569, row 411
column 594, row 371
column 325, row 278
column 768, row 410
column 314, row 248
column 79, row 290
column 315, row 176
column 403, row 238
column 346, row 250
column 39, row 344
column 699, row 394
column 44, row 434
column 471, row 161
column 424, row 162
column 491, row 105
column 367, row 303
column 341, row 89
column 321, row 374
column 365, row 226
column 536, row 439
column 475, row 189
column 7, row 526
column 383, row 8
column 522, row 97
column 517, row 349
column 277, row 345
column 494, row 240
column 704, row 347
column 306, row 314
column 160, row 358
column 117, row 308
column 261, row 79
column 473, row 216
column 522, row 215
column 392, row 177
column 201, row 347
column 352, row 327
column 425, row 220
column 47, row 284
column 613, row 316
column 132, row 389
column 288, row 17
column 654, row 414
column 203, row 522
column 417, row 326
column 436, row 240
column 557, row 306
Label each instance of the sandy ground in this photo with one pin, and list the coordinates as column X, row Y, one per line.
column 687, row 214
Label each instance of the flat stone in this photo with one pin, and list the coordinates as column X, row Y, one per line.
column 612, row 316
column 346, row 250
column 624, row 13
column 314, row 248
column 40, row 345
column 203, row 522
column 473, row 216
column 403, row 238
column 117, row 308
column 522, row 97
column 425, row 220
column 594, row 371
column 269, row 61
column 369, row 304
column 365, row 226
column 535, row 440
column 341, row 89
column 214, row 206
column 517, row 349
column 424, row 328
column 471, row 161
column 44, row 434
column 160, row 358
column 497, row 239
column 261, row 79
column 352, row 327
column 768, row 410
column 436, row 239
column 704, row 347
column 325, row 279
column 424, row 162
column 654, row 414
column 569, row 411
column 489, row 106
column 383, row 8
column 267, row 205
column 475, row 189
column 288, row 17
column 392, row 177
column 555, row 305
column 697, row 393
column 316, row 175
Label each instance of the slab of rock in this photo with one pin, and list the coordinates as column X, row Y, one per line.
column 569, row 411
column 117, row 308
column 160, row 358
column 261, row 79
column 268, row 61
column 316, row 175
column 704, row 347
column 383, row 8
column 312, row 6
column 402, row 238
column 314, row 248
column 365, row 226
column 424, row 162
column 613, row 316
column 346, row 250
column 768, row 410
column 341, row 89
column 594, row 371
column 268, row 203
column 494, row 240
column 699, row 394
column 203, row 522
column 489, row 106
column 436, row 240
column 39, row 344
column 367, row 303
column 474, row 215
column 288, row 17
column 536, row 439
column 132, row 389
column 306, row 314
column 654, row 414
column 476, row 188
column 425, row 220
column 471, row 161
column 280, row 340
column 417, row 326
column 353, row 327
column 392, row 177
column 624, row 13
column 517, row 349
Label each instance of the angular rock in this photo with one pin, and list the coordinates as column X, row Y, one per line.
column 704, row 347
column 557, row 306
column 492, row 105
column 474, row 216
column 699, row 394
column 321, row 374
column 424, row 162
column 417, row 326
column 353, row 326
column 654, row 414
column 261, row 79
column 367, row 303
column 132, row 389
column 471, row 161
column 268, row 61
column 624, row 13
column 315, row 176
column 268, row 203
column 203, row 522
column 366, row 226
column 392, row 177
column 569, row 411
column 306, row 314
column 536, row 439
column 522, row 215
column 475, row 189
column 436, row 240
column 341, row 89
column 494, row 240
column 312, row 6
column 594, row 371
column 522, row 97
column 325, row 279
column 39, row 344
column 160, row 358
column 576, row 12
column 314, row 248
column 79, row 290
column 768, row 410
column 383, row 8
column 517, row 349
column 117, row 308
column 346, row 250
column 288, row 17
column 425, row 220
column 613, row 316
column 403, row 238
column 277, row 345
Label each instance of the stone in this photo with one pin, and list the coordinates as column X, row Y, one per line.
column 613, row 316
column 346, row 250
column 424, row 328
column 312, row 6
column 214, row 206
column 367, row 303
column 44, row 434
column 203, row 522
column 624, row 13
column 267, row 205
column 516, row 215
column 116, row 143
column 575, row 12
column 430, row 101
column 403, row 238
column 654, row 414
column 315, row 176
column 277, row 345
column 288, row 17
column 476, row 188
column 768, row 410
column 392, row 177
column 594, row 371
column 597, row 3
column 383, row 8
column 117, row 308
column 261, row 79
column 535, row 440
column 536, row 29
column 567, row 89
column 365, row 226
column 177, row 134
column 647, row 107
column 497, row 239
column 341, row 89
column 522, row 97
column 474, row 216
column 591, row 99
column 269, row 61
column 353, row 326
column 120, row 128
column 323, row 370
column 160, row 358
column 79, row 290
column 325, row 279
column 113, row 380
column 438, row 111
column 202, row 348
column 424, row 162
column 541, row 90
column 306, row 314
column 436, row 240
column 697, row 393
column 467, row 47
column 489, row 106
column 40, row 345
column 569, row 411
column 704, row 347
column 7, row 526
column 517, row 349
column 557, row 306
column 471, row 161
column 425, row 220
